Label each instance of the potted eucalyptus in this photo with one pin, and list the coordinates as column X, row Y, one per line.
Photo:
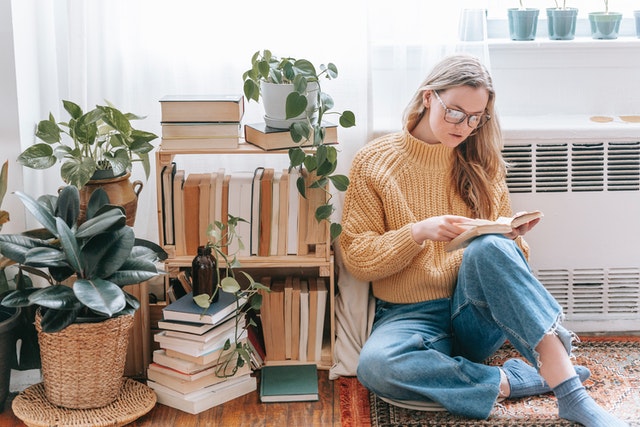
column 523, row 22
column 300, row 105
column 83, row 309
column 605, row 25
column 561, row 21
column 96, row 149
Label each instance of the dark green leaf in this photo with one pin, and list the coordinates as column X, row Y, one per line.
column 251, row 90
column 104, row 254
column 48, row 131
column 347, row 119
column 69, row 245
column 340, row 182
column 97, row 200
column 296, row 156
column 109, row 220
column 45, row 257
column 299, row 131
column 15, row 246
column 116, row 120
column 323, row 212
column 332, row 70
column 59, row 297
column 40, row 213
column 101, row 296
column 130, row 277
column 295, row 105
column 57, row 320
column 335, row 230
column 301, row 186
column 19, row 298
column 78, row 171
column 68, row 205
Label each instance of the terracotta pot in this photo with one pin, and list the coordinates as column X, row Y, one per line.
column 121, row 192
column 83, row 364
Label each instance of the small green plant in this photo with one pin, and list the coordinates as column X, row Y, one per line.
column 564, row 4
column 101, row 139
column 322, row 160
column 235, row 354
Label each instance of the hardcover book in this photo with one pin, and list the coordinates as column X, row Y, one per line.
column 202, row 108
column 268, row 138
column 292, row 383
column 185, row 310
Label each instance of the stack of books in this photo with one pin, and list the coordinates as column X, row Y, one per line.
column 201, row 122
column 268, row 138
column 188, row 371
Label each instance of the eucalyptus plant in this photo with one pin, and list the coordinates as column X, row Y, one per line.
column 322, row 160
column 100, row 139
column 97, row 258
column 221, row 236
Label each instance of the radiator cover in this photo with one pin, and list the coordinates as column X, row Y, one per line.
column 586, row 250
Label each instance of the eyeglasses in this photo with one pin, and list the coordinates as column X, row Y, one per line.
column 456, row 116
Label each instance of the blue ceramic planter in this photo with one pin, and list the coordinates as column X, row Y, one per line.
column 562, row 23
column 605, row 25
column 523, row 23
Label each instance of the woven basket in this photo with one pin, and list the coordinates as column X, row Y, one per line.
column 83, row 364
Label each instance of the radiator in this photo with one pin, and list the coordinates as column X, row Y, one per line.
column 586, row 250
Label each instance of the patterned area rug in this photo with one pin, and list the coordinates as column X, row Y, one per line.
column 615, row 384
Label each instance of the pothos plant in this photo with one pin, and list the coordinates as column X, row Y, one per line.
column 247, row 298
column 322, row 160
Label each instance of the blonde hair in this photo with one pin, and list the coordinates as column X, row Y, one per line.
column 478, row 163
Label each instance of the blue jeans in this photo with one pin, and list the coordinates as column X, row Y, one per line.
column 434, row 350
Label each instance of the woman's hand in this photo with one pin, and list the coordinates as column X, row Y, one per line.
column 523, row 229
column 438, row 228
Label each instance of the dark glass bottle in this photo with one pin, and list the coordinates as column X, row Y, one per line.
column 203, row 273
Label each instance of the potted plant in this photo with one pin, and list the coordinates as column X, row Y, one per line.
column 83, row 309
column 605, row 25
column 562, row 21
column 96, row 149
column 9, row 316
column 523, row 22
column 301, row 108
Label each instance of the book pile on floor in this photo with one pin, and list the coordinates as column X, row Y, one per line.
column 201, row 122
column 188, row 371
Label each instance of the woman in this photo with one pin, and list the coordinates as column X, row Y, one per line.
column 440, row 314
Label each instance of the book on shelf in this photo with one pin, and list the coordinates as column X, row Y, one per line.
column 202, row 108
column 275, row 213
column 166, row 192
column 206, row 398
column 224, row 210
column 478, row 227
column 199, row 130
column 266, row 208
column 191, row 203
column 313, row 318
column 268, row 138
column 276, row 327
column 265, row 315
column 189, row 386
column 204, row 204
column 178, row 212
column 292, row 383
column 295, row 318
column 304, row 320
column 283, row 213
column 322, row 291
column 203, row 360
column 293, row 213
column 202, row 143
column 184, row 309
column 256, row 343
column 288, row 318
column 254, row 216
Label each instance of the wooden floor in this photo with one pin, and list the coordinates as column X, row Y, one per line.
column 244, row 411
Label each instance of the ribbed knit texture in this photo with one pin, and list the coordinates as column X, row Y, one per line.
column 398, row 180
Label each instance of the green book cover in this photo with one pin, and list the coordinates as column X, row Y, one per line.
column 290, row 383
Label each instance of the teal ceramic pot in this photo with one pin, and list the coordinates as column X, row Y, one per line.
column 562, row 23
column 9, row 320
column 523, row 23
column 605, row 25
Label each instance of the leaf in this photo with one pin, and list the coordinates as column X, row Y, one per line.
column 16, row 247
column 59, row 297
column 48, row 131
column 18, row 298
column 295, row 105
column 57, row 320
column 103, row 254
column 296, row 156
column 69, row 245
column 45, row 257
column 335, row 230
column 78, row 171
column 251, row 90
column 40, row 213
column 202, row 300
column 97, row 200
column 230, row 285
column 38, row 156
column 323, row 212
column 302, row 189
column 340, row 182
column 4, row 177
column 131, row 277
column 68, row 205
column 115, row 119
column 73, row 109
column 347, row 119
column 101, row 296
column 108, row 220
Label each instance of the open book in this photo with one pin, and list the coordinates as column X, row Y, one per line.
column 478, row 227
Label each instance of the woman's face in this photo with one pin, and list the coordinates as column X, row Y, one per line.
column 466, row 99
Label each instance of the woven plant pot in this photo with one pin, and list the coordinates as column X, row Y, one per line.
column 83, row 365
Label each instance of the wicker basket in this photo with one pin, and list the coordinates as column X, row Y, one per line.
column 83, row 364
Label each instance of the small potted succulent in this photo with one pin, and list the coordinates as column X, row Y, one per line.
column 523, row 22
column 83, row 306
column 605, row 25
column 293, row 99
column 562, row 21
column 96, row 149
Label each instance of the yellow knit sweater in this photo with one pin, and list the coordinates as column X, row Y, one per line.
column 398, row 180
